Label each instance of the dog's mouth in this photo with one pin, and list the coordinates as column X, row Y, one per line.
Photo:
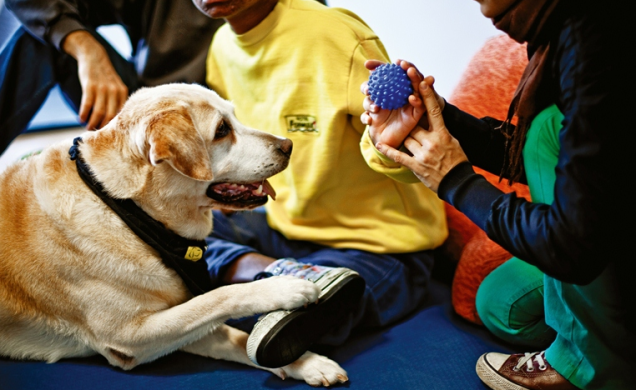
column 241, row 195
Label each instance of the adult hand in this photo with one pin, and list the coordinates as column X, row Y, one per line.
column 103, row 91
column 391, row 127
column 434, row 152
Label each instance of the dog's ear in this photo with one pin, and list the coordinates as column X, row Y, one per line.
column 172, row 138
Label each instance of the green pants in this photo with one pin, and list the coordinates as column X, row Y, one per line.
column 577, row 325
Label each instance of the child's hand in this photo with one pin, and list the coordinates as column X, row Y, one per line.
column 391, row 127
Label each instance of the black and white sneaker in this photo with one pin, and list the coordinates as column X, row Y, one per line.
column 281, row 337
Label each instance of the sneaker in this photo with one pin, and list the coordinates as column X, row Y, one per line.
column 281, row 337
column 520, row 372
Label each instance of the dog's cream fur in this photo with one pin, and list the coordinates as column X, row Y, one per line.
column 75, row 281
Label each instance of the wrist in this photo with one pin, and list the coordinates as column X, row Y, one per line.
column 372, row 136
column 80, row 44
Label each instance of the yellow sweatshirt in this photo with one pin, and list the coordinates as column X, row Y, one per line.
column 297, row 75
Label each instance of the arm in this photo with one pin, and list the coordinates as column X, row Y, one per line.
column 480, row 139
column 581, row 232
column 103, row 91
column 574, row 238
column 542, row 235
column 59, row 23
column 48, row 20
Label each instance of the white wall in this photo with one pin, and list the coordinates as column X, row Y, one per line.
column 438, row 36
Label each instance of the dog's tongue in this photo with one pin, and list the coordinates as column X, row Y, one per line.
column 269, row 190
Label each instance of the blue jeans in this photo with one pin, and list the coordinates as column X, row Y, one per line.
column 396, row 284
column 29, row 69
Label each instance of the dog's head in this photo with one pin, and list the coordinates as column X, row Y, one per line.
column 179, row 151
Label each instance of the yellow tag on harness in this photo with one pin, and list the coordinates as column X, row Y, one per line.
column 194, row 253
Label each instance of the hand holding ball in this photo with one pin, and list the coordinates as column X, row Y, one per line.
column 389, row 86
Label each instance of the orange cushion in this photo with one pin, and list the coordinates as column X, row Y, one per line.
column 485, row 89
column 480, row 257
column 489, row 82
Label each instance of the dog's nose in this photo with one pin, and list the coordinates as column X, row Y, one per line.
column 286, row 146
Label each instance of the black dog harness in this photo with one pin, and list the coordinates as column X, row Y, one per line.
column 179, row 253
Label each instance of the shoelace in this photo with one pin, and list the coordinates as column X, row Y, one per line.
column 539, row 357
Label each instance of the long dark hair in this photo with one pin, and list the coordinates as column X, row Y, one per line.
column 534, row 22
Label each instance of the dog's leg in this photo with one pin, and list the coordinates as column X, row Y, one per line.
column 228, row 343
column 143, row 339
column 225, row 343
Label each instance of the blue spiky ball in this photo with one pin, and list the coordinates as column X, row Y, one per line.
column 389, row 86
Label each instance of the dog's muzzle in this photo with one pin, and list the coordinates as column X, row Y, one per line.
column 241, row 195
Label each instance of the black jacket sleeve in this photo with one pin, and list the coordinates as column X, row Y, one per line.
column 481, row 139
column 583, row 230
column 48, row 20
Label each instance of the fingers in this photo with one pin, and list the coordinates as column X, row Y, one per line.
column 101, row 104
column 365, row 119
column 364, row 88
column 86, row 104
column 116, row 99
column 416, row 102
column 372, row 64
column 419, row 134
column 369, row 106
column 396, row 155
column 411, row 70
column 97, row 112
column 414, row 146
column 416, row 78
column 430, row 80
column 111, row 110
column 103, row 91
column 433, row 109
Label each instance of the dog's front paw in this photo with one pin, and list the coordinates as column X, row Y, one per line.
column 314, row 369
column 285, row 292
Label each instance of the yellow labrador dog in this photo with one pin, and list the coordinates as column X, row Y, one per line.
column 76, row 279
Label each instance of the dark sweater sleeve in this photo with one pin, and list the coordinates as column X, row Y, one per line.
column 481, row 140
column 583, row 230
column 48, row 20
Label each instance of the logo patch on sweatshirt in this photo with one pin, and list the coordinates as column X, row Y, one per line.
column 301, row 123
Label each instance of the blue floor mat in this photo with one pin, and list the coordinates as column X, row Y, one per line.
column 433, row 349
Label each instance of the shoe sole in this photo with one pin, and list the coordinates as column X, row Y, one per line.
column 492, row 378
column 281, row 337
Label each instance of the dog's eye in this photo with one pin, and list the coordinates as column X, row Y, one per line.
column 223, row 130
